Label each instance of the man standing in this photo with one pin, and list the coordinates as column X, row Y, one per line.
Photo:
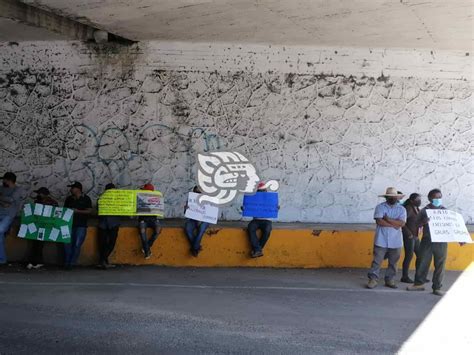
column 10, row 201
column 411, row 242
column 82, row 206
column 36, row 252
column 108, row 231
column 265, row 225
column 194, row 229
column 390, row 217
column 429, row 250
column 145, row 222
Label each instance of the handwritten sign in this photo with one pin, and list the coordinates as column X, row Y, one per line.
column 447, row 226
column 261, row 205
column 201, row 212
column 46, row 223
column 116, row 202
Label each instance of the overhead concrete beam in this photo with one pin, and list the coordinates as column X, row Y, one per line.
column 24, row 13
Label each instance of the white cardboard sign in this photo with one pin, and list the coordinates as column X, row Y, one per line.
column 447, row 226
column 201, row 212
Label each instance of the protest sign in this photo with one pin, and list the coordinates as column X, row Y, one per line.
column 46, row 223
column 447, row 226
column 116, row 202
column 201, row 212
column 261, row 205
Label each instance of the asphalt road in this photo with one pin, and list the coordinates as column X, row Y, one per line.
column 141, row 310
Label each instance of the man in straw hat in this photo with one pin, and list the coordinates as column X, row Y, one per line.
column 390, row 217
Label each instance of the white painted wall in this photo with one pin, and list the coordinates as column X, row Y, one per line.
column 335, row 125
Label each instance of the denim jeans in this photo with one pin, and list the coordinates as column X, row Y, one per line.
column 73, row 249
column 411, row 247
column 190, row 227
column 5, row 224
column 107, row 240
column 266, row 228
column 149, row 222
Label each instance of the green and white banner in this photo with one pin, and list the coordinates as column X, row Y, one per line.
column 46, row 223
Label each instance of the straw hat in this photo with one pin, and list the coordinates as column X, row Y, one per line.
column 392, row 192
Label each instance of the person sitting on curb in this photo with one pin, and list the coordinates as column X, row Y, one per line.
column 195, row 229
column 429, row 250
column 36, row 250
column 390, row 217
column 265, row 226
column 107, row 236
column 145, row 222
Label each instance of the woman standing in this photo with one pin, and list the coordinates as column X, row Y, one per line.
column 411, row 243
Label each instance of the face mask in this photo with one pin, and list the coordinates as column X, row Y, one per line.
column 392, row 201
column 417, row 203
column 436, row 202
column 5, row 184
column 400, row 202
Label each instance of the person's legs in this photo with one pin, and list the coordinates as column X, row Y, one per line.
column 379, row 255
column 5, row 224
column 440, row 253
column 201, row 230
column 190, row 226
column 36, row 256
column 143, row 237
column 69, row 248
column 80, row 237
column 252, row 231
column 266, row 228
column 409, row 247
column 111, row 240
column 423, row 261
column 102, row 245
column 393, row 258
column 154, row 224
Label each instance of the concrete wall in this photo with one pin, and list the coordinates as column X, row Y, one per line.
column 229, row 247
column 335, row 125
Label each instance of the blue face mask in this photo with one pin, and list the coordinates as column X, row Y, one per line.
column 437, row 202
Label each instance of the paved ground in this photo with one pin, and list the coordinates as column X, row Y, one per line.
column 164, row 310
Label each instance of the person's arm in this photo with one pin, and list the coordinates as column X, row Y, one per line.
column 396, row 223
column 382, row 222
column 87, row 210
column 422, row 218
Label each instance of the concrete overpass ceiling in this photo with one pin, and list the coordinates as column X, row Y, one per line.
column 436, row 24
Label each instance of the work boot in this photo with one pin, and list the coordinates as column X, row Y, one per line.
column 416, row 288
column 438, row 293
column 390, row 283
column 406, row 280
column 372, row 283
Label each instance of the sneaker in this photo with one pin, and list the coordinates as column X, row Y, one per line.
column 100, row 266
column 148, row 254
column 372, row 283
column 416, row 288
column 438, row 293
column 391, row 284
column 38, row 266
column 30, row 266
column 256, row 254
column 406, row 280
column 110, row 266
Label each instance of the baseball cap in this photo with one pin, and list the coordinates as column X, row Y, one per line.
column 261, row 185
column 9, row 176
column 42, row 190
column 76, row 184
column 149, row 187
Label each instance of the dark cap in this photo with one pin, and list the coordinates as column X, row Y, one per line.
column 76, row 184
column 9, row 176
column 42, row 190
column 109, row 186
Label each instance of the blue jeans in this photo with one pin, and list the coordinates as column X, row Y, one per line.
column 190, row 227
column 5, row 224
column 73, row 249
column 148, row 222
column 265, row 226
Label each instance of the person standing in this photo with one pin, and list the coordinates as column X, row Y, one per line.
column 10, row 202
column 82, row 207
column 429, row 250
column 265, row 226
column 36, row 252
column 195, row 229
column 410, row 231
column 390, row 217
column 145, row 222
column 108, row 232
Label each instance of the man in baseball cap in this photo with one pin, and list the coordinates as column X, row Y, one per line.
column 82, row 206
column 390, row 217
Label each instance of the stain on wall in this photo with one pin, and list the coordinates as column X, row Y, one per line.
column 334, row 141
